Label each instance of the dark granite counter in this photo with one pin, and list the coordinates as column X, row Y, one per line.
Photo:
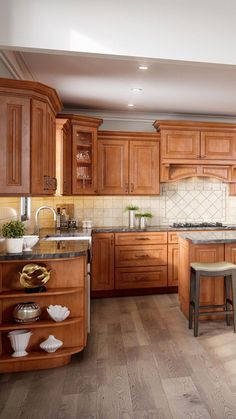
column 126, row 229
column 207, row 237
column 50, row 250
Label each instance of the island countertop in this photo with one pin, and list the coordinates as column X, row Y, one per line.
column 50, row 250
column 208, row 237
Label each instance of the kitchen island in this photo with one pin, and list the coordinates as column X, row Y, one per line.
column 208, row 246
column 67, row 261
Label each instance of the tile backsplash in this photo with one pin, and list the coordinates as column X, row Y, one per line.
column 195, row 199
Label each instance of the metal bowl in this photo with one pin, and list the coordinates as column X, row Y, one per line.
column 26, row 312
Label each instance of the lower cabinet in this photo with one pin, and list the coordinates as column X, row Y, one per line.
column 173, row 262
column 135, row 260
column 103, row 262
column 67, row 287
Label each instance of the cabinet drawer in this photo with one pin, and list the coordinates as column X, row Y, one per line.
column 140, row 255
column 146, row 277
column 140, row 238
column 172, row 237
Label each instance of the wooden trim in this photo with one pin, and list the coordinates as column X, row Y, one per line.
column 196, row 125
column 133, row 292
column 127, row 135
column 87, row 121
column 35, row 87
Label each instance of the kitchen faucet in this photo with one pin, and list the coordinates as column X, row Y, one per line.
column 44, row 207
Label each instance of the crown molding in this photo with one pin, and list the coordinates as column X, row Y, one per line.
column 15, row 63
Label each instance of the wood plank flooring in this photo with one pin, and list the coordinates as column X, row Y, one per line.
column 141, row 362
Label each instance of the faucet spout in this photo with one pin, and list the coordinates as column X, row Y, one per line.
column 44, row 207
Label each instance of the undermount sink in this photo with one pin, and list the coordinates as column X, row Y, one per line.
column 63, row 238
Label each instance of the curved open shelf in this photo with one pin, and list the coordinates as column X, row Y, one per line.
column 38, row 324
column 37, row 355
column 49, row 292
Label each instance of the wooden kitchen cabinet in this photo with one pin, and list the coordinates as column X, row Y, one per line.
column 27, row 129
column 192, row 148
column 103, row 262
column 128, row 163
column 80, row 155
column 67, row 287
column 173, row 264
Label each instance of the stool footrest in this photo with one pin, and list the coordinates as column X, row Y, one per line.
column 201, row 313
column 214, row 306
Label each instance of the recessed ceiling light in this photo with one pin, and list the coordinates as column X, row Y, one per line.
column 136, row 89
column 143, row 67
column 131, row 105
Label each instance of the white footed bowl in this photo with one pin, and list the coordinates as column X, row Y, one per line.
column 19, row 341
column 29, row 242
column 58, row 313
column 51, row 344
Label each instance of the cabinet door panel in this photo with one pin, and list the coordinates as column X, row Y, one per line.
column 112, row 167
column 178, row 144
column 218, row 145
column 212, row 289
column 15, row 145
column 173, row 263
column 147, row 255
column 146, row 277
column 39, row 152
column 144, row 168
column 84, row 164
column 103, row 262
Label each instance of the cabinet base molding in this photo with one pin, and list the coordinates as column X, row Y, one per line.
column 133, row 292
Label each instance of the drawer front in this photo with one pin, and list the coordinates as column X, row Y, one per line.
column 140, row 238
column 140, row 255
column 172, row 237
column 147, row 277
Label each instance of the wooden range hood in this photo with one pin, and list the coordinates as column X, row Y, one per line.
column 193, row 148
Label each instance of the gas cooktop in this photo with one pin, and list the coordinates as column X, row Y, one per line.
column 196, row 225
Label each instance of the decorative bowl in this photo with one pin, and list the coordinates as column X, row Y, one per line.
column 29, row 242
column 58, row 313
column 26, row 312
column 51, row 344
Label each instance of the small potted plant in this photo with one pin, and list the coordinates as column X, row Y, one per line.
column 131, row 209
column 13, row 232
column 143, row 218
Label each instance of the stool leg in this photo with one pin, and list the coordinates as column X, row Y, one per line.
column 191, row 299
column 196, row 305
column 227, row 281
column 234, row 298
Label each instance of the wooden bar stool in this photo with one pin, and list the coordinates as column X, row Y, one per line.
column 225, row 269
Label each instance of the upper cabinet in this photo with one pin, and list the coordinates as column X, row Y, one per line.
column 128, row 163
column 27, row 132
column 189, row 140
column 80, row 155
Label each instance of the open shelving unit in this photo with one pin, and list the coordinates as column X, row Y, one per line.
column 67, row 287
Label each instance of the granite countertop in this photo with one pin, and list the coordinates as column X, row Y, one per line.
column 157, row 228
column 207, row 237
column 50, row 250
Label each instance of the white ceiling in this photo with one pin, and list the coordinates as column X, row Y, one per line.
column 105, row 83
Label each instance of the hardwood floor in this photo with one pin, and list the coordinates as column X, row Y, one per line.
column 142, row 362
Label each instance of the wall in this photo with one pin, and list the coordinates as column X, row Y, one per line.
column 192, row 200
column 178, row 30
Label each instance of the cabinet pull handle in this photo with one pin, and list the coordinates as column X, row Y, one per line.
column 141, row 278
column 142, row 238
column 132, row 187
column 142, row 256
column 126, row 187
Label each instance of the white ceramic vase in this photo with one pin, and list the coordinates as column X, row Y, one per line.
column 131, row 218
column 51, row 344
column 19, row 341
column 14, row 245
column 142, row 222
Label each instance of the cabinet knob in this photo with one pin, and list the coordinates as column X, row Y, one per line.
column 126, row 187
column 132, row 187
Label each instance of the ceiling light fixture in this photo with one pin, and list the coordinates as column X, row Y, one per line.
column 143, row 67
column 131, row 105
column 136, row 89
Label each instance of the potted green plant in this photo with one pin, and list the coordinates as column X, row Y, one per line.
column 13, row 232
column 143, row 217
column 132, row 209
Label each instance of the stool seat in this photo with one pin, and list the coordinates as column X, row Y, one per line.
column 207, row 271
column 213, row 267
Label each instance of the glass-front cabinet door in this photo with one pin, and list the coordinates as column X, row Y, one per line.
column 84, row 178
